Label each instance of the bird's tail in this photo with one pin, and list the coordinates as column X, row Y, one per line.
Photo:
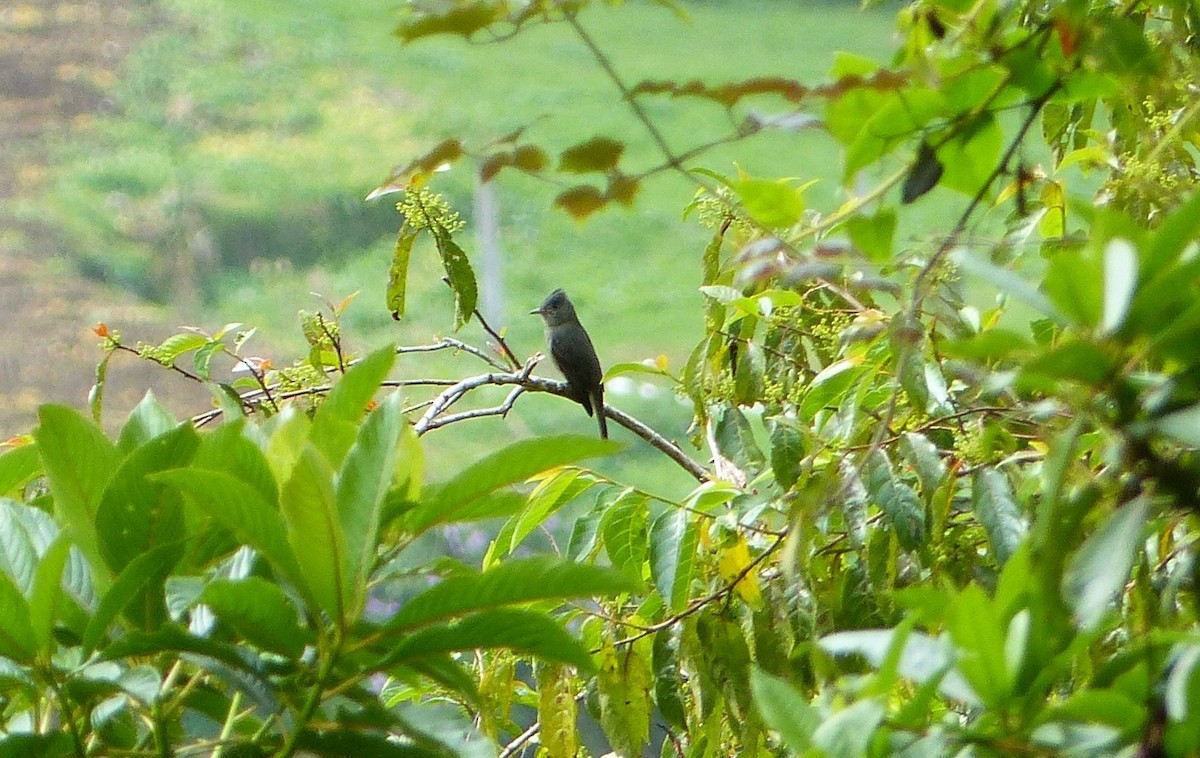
column 599, row 403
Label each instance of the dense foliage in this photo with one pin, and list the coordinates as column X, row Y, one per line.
column 952, row 493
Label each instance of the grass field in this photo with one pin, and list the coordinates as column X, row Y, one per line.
column 275, row 120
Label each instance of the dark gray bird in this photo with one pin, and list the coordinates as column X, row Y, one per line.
column 572, row 351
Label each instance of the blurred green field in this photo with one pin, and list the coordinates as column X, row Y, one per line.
column 261, row 126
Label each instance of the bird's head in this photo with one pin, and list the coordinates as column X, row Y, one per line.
column 556, row 309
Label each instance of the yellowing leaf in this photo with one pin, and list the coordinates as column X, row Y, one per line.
column 733, row 562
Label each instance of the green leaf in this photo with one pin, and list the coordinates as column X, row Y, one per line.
column 397, row 286
column 847, row 733
column 53, row 745
column 169, row 350
column 171, row 638
column 924, row 458
column 79, row 461
column 463, row 20
column 345, row 743
column 516, row 581
column 362, row 488
column 518, row 630
column 17, row 467
column 787, row 450
column 335, row 424
column 674, row 538
column 923, row 659
column 1120, row 282
column 874, row 234
column 623, row 527
column 1074, row 281
column 735, row 437
column 773, row 203
column 785, row 710
column 1008, row 282
column 977, row 631
column 598, row 154
column 457, row 499
column 897, row 500
column 17, row 638
column 995, row 506
column 136, row 513
column 551, row 493
column 229, row 450
column 25, row 533
column 149, row 419
column 1182, row 426
column 315, row 533
column 45, row 599
column 241, row 509
column 971, row 156
column 146, row 570
column 260, row 612
column 1097, row 573
column 460, row 275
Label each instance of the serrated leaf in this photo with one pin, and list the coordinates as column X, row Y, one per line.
column 1097, row 573
column 556, row 710
column 897, row 500
column 624, row 683
column 995, row 506
column 623, row 527
column 455, row 499
column 598, row 154
column 673, row 541
column 397, row 286
column 787, row 450
column 260, row 612
column 516, row 581
column 518, row 630
column 923, row 456
column 460, row 275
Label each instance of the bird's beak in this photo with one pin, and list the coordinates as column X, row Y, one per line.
column 535, row 312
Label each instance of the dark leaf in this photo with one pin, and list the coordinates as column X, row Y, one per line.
column 923, row 176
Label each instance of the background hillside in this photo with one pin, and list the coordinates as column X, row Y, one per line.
column 199, row 162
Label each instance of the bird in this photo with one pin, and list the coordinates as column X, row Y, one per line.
column 573, row 354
